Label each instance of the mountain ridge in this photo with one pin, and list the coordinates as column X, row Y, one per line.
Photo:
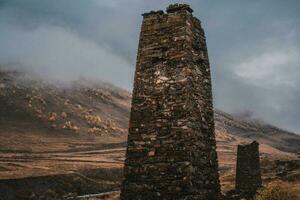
column 102, row 109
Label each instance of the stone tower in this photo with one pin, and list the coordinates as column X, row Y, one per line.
column 248, row 174
column 171, row 152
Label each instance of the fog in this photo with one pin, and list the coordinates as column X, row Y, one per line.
column 253, row 47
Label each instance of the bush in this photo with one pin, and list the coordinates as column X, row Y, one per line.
column 277, row 191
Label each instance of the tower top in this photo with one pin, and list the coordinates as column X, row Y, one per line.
column 172, row 8
column 176, row 7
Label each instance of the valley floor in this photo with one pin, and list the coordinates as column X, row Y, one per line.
column 92, row 168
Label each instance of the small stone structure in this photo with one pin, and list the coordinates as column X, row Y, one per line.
column 171, row 152
column 248, row 174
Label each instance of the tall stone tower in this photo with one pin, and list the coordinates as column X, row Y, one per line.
column 248, row 174
column 171, row 152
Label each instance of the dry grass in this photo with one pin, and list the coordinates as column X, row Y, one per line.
column 278, row 190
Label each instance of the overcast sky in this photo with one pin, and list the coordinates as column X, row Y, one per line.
column 254, row 47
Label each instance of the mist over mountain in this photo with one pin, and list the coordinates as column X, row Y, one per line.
column 253, row 47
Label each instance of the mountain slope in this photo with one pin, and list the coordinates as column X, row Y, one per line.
column 50, row 128
column 257, row 130
column 100, row 109
column 36, row 109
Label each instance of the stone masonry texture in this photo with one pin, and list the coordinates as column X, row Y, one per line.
column 171, row 152
column 248, row 174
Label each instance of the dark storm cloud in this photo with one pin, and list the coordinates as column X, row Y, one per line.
column 253, row 46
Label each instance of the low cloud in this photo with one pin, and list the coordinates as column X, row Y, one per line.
column 57, row 53
column 271, row 69
column 253, row 47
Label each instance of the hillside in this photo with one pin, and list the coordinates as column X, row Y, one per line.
column 254, row 129
column 33, row 108
column 85, row 108
column 49, row 128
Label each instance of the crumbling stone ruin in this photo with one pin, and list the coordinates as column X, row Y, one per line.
column 248, row 174
column 171, row 152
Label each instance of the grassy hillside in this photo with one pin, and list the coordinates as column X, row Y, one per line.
column 55, row 131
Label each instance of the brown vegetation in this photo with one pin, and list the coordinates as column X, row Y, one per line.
column 278, row 190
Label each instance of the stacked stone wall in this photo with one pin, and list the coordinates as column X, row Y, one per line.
column 248, row 173
column 171, row 152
